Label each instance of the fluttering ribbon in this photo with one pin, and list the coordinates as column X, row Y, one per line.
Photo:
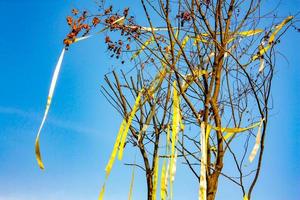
column 131, row 184
column 149, row 41
column 261, row 59
column 271, row 40
column 250, row 32
column 231, row 131
column 155, row 177
column 183, row 44
column 257, row 142
column 204, row 135
column 51, row 92
column 115, row 149
column 173, row 172
column 124, row 128
column 175, row 129
column 121, row 137
column 101, row 195
column 49, row 99
column 147, row 123
column 190, row 78
column 201, row 37
column 120, row 142
column 128, row 124
column 163, row 182
column 165, row 171
column 123, row 131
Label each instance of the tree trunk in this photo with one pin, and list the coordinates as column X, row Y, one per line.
column 212, row 186
column 149, row 185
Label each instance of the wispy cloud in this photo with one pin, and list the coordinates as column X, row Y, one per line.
column 69, row 125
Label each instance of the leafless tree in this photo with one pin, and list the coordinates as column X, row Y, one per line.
column 214, row 61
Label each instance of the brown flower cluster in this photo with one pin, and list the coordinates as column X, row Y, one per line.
column 77, row 24
column 184, row 17
column 127, row 29
column 81, row 23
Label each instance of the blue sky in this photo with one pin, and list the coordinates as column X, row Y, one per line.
column 81, row 128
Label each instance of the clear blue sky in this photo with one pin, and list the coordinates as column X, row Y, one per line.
column 81, row 128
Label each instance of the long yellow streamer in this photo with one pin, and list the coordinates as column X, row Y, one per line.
column 155, row 177
column 128, row 124
column 122, row 134
column 168, row 137
column 200, row 38
column 172, row 173
column 176, row 115
column 262, row 64
column 51, row 92
column 230, row 131
column 50, row 95
column 115, row 149
column 184, row 42
column 175, row 123
column 246, row 34
column 112, row 157
column 165, row 171
column 82, row 38
column 101, row 195
column 279, row 27
column 203, row 184
column 167, row 176
column 149, row 41
column 250, row 32
column 156, row 83
column 163, row 184
column 131, row 184
column 257, row 143
column 190, row 78
column 148, row 120
column 149, row 29
column 263, row 50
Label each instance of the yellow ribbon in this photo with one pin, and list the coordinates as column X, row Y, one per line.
column 128, row 124
column 155, row 177
column 101, row 195
column 163, row 182
column 231, row 131
column 149, row 41
column 203, row 141
column 51, row 92
column 49, row 99
column 183, row 44
column 131, row 184
column 257, row 143
column 175, row 123
column 263, row 50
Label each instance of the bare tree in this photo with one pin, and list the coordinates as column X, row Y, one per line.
column 207, row 65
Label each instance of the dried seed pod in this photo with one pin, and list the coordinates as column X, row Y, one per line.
column 95, row 21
